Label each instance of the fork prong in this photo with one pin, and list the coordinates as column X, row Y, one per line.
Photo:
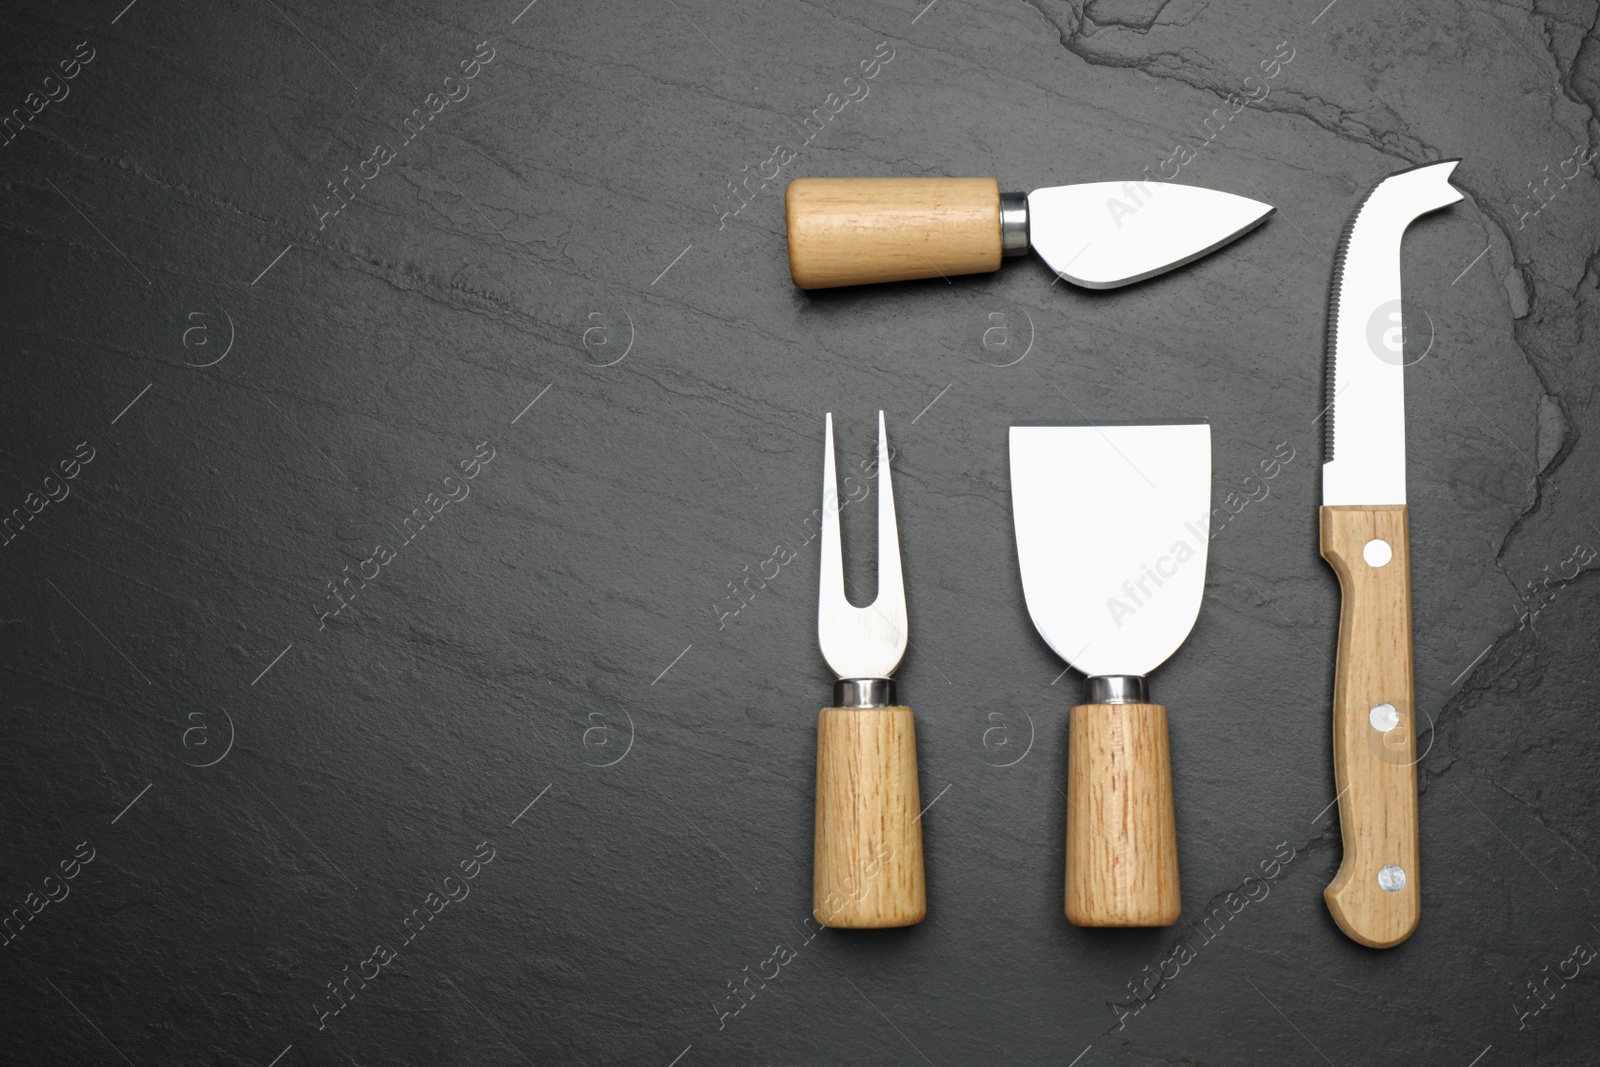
column 830, row 594
column 891, row 601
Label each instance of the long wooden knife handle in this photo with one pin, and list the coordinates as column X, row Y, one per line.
column 867, row 871
column 852, row 231
column 1375, row 898
column 1122, row 840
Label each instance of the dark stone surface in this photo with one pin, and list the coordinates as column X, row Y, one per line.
column 165, row 614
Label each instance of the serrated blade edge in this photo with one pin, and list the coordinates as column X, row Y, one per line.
column 1364, row 381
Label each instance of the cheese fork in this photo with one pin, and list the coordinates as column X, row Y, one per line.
column 867, row 868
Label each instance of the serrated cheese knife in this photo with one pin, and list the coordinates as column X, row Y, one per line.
column 853, row 231
column 1375, row 898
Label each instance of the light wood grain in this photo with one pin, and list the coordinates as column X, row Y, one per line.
column 852, row 231
column 867, row 870
column 1374, row 772
column 1122, row 841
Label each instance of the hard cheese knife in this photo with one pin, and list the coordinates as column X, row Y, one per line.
column 851, row 231
column 867, row 865
column 1375, row 897
column 1113, row 526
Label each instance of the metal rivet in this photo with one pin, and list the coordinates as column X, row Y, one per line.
column 1392, row 879
column 1384, row 717
column 1377, row 552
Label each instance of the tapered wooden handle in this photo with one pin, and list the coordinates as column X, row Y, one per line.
column 1122, row 841
column 868, row 866
column 1375, row 897
column 852, row 231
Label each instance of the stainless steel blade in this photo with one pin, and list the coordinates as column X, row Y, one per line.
column 860, row 642
column 1113, row 527
column 1365, row 435
column 1105, row 234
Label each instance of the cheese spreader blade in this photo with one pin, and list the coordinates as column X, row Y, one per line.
column 1113, row 525
column 1376, row 897
column 854, row 231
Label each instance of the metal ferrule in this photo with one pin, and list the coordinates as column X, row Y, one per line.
column 1013, row 224
column 863, row 693
column 1118, row 689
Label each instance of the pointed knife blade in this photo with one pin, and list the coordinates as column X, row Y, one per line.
column 1104, row 234
column 1365, row 433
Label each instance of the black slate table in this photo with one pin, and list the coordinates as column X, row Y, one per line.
column 408, row 406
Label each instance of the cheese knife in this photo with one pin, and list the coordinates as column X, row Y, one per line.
column 1113, row 530
column 1376, row 897
column 853, row 231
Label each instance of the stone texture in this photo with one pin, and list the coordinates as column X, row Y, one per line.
column 565, row 631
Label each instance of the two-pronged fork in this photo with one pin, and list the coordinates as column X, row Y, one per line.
column 868, row 862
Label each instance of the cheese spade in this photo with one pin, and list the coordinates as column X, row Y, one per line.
column 1113, row 524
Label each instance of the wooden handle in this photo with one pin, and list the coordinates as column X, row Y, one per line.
column 852, row 231
column 1375, row 897
column 1122, row 842
column 868, row 864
